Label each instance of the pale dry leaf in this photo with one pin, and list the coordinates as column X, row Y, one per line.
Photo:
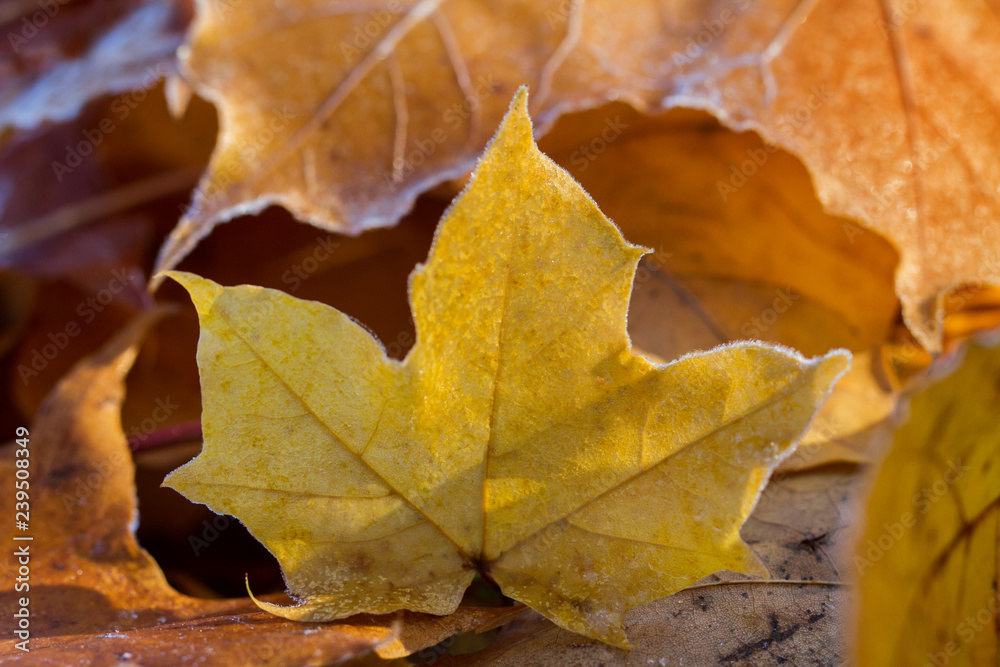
column 112, row 47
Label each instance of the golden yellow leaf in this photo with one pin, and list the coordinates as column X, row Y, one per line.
column 928, row 557
column 520, row 438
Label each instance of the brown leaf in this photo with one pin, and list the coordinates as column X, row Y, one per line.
column 63, row 329
column 349, row 142
column 42, row 226
column 763, row 262
column 96, row 595
column 898, row 135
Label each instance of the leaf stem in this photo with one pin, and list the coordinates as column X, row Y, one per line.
column 734, row 582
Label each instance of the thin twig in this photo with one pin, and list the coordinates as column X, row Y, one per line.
column 99, row 207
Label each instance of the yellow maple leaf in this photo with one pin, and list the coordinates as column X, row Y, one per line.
column 928, row 558
column 520, row 438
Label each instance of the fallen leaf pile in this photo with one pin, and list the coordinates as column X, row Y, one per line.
column 543, row 332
